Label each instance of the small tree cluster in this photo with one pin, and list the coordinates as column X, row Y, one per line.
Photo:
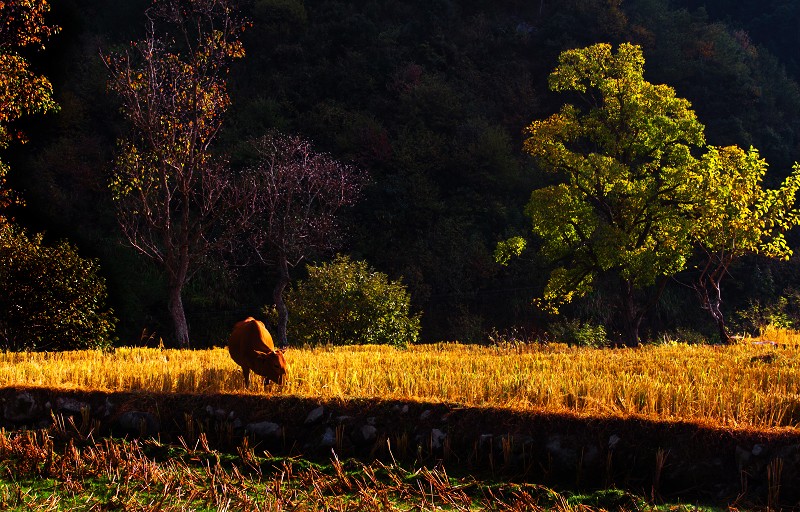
column 50, row 297
column 632, row 203
column 346, row 302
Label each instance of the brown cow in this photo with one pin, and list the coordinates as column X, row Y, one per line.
column 251, row 347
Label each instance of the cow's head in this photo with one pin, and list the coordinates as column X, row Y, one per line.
column 270, row 365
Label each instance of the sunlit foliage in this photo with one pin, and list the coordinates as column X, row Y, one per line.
column 347, row 302
column 739, row 217
column 627, row 180
column 172, row 194
column 22, row 91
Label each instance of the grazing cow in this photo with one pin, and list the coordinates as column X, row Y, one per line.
column 251, row 347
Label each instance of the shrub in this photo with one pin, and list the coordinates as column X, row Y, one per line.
column 50, row 298
column 582, row 334
column 780, row 312
column 346, row 302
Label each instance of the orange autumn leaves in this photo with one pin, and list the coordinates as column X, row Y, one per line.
column 22, row 90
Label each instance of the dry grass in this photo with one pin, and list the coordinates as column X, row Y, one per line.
column 55, row 470
column 745, row 385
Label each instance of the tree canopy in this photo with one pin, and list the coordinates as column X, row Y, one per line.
column 739, row 217
column 22, row 90
column 627, row 183
column 347, row 302
column 175, row 201
column 298, row 195
column 633, row 197
column 50, row 297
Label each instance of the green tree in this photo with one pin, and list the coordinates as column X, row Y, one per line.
column 627, row 184
column 175, row 200
column 346, row 302
column 50, row 298
column 740, row 217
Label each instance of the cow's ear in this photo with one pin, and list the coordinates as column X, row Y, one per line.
column 260, row 355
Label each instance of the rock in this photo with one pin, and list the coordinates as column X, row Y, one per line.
column 437, row 439
column 138, row 423
column 425, row 414
column 371, row 420
column 328, row 438
column 315, row 415
column 70, row 405
column 21, row 408
column 264, row 429
column 758, row 449
column 564, row 455
column 590, row 456
column 217, row 414
column 613, row 441
column 790, row 453
column 554, row 444
column 742, row 457
column 107, row 408
column 369, row 432
column 344, row 419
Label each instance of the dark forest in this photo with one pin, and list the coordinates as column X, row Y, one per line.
column 430, row 98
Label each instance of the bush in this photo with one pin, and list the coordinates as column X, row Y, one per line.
column 50, row 298
column 781, row 312
column 346, row 302
column 582, row 334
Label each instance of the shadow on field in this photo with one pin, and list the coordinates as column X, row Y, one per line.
column 670, row 461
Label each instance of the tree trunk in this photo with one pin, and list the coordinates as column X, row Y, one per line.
column 280, row 305
column 631, row 316
column 181, row 328
column 713, row 306
column 723, row 331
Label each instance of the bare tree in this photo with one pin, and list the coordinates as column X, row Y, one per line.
column 175, row 201
column 299, row 193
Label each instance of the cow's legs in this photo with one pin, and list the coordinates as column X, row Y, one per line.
column 246, row 372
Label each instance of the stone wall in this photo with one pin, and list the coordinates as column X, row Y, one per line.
column 668, row 460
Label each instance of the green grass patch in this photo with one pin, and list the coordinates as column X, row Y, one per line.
column 40, row 471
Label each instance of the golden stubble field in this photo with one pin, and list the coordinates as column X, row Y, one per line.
column 740, row 386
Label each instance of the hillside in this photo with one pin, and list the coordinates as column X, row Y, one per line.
column 430, row 98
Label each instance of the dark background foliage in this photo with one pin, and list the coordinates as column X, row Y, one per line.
column 51, row 298
column 430, row 96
